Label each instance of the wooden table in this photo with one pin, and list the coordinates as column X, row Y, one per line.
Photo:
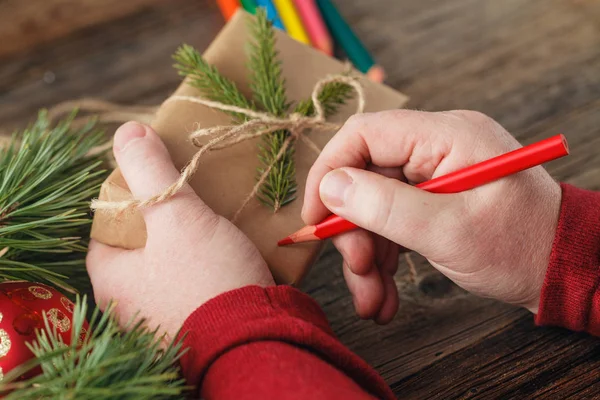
column 533, row 65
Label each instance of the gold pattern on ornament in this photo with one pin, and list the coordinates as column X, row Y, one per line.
column 1, row 374
column 5, row 342
column 81, row 337
column 59, row 320
column 40, row 292
column 68, row 304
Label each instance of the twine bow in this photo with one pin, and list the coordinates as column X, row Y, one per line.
column 258, row 124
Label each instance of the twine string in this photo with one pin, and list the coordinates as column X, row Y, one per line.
column 225, row 136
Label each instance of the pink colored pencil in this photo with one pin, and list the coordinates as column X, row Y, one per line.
column 314, row 25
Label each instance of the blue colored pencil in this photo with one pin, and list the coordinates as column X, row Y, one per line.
column 272, row 14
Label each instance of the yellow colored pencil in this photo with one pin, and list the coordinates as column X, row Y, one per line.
column 291, row 20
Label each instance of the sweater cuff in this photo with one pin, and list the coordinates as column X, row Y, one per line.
column 280, row 313
column 570, row 296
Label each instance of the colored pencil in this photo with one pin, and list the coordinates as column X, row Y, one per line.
column 249, row 5
column 291, row 20
column 272, row 14
column 458, row 181
column 228, row 7
column 347, row 39
column 315, row 27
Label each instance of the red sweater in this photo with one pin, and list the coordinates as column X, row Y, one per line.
column 275, row 343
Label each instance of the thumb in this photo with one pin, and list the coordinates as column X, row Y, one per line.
column 148, row 169
column 402, row 213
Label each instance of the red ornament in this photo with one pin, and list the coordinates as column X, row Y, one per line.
column 22, row 307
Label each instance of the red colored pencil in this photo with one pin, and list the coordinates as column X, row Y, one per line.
column 454, row 182
column 228, row 8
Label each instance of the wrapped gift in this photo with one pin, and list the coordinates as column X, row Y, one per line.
column 225, row 177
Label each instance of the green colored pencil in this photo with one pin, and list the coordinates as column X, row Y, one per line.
column 249, row 5
column 348, row 40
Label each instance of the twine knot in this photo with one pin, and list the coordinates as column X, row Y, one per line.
column 295, row 117
column 256, row 125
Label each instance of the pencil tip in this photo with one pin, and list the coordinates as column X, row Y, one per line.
column 565, row 143
column 305, row 234
column 285, row 241
column 376, row 74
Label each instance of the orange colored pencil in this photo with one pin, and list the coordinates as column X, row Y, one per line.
column 228, row 8
column 454, row 182
column 314, row 25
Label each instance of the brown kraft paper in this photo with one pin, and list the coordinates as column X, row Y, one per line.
column 225, row 177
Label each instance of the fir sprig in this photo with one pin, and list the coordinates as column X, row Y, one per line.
column 269, row 94
column 266, row 80
column 268, row 87
column 332, row 97
column 46, row 181
column 208, row 80
column 103, row 363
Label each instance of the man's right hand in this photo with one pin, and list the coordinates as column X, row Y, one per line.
column 494, row 241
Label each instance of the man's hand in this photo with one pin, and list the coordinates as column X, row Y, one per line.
column 494, row 241
column 191, row 254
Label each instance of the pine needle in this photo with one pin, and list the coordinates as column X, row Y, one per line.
column 208, row 80
column 266, row 80
column 269, row 94
column 268, row 87
column 332, row 97
column 46, row 182
column 107, row 364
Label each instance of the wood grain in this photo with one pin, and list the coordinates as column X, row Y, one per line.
column 532, row 65
column 26, row 24
column 518, row 361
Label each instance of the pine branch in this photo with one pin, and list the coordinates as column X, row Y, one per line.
column 268, row 87
column 332, row 97
column 208, row 80
column 107, row 364
column 46, row 182
column 267, row 83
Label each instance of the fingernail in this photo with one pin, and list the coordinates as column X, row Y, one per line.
column 127, row 134
column 334, row 186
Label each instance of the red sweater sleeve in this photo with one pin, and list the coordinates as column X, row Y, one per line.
column 272, row 343
column 571, row 295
